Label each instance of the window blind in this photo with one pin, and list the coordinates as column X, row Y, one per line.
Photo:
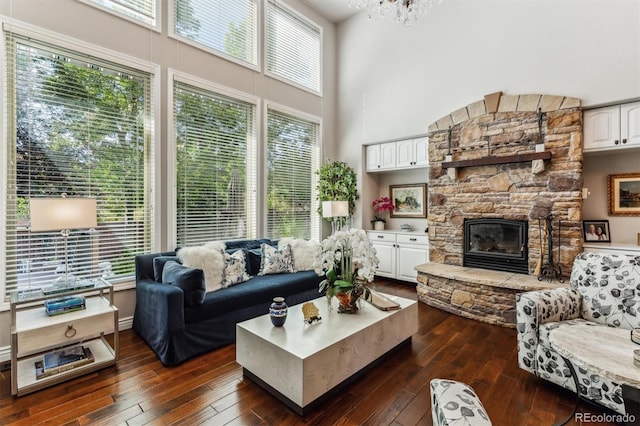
column 292, row 47
column 77, row 125
column 144, row 11
column 215, row 166
column 293, row 156
column 226, row 27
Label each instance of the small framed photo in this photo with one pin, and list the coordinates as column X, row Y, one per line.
column 624, row 194
column 409, row 200
column 596, row 231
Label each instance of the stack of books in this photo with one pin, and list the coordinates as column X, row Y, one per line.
column 62, row 305
column 63, row 360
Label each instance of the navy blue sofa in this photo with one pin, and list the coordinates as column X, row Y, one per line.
column 177, row 333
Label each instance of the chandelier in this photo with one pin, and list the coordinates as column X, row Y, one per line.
column 401, row 11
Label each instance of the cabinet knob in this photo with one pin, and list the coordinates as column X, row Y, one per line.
column 616, row 142
column 70, row 331
column 413, row 239
column 380, row 236
column 379, row 164
column 624, row 141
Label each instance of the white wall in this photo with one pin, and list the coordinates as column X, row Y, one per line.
column 394, row 81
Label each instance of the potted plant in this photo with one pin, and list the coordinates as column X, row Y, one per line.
column 380, row 206
column 349, row 263
column 337, row 182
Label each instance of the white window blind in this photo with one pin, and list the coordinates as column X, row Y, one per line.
column 144, row 11
column 226, row 27
column 292, row 47
column 81, row 126
column 215, row 166
column 293, row 156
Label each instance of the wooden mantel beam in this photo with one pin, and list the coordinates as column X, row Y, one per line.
column 506, row 159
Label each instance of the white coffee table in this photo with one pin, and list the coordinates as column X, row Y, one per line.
column 304, row 364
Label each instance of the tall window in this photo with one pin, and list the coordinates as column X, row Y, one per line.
column 215, row 166
column 77, row 125
column 293, row 156
column 142, row 11
column 293, row 48
column 225, row 27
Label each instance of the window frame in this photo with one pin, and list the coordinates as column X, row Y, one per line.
column 65, row 42
column 171, row 32
column 157, row 27
column 270, row 105
column 300, row 16
column 174, row 75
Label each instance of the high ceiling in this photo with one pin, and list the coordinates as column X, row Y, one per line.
column 334, row 10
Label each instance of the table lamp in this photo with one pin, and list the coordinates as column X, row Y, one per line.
column 336, row 210
column 64, row 214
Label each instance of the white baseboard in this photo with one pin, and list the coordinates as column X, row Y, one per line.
column 123, row 324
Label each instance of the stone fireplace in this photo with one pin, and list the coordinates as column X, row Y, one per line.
column 519, row 161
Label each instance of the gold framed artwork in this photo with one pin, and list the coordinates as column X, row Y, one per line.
column 624, row 194
column 409, row 200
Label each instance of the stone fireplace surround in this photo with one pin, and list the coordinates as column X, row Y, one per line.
column 515, row 190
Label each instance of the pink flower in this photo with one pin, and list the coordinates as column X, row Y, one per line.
column 382, row 204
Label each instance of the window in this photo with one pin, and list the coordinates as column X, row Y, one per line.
column 141, row 11
column 225, row 27
column 293, row 156
column 292, row 47
column 77, row 125
column 215, row 166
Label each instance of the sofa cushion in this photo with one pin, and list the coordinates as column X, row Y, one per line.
column 304, row 252
column 276, row 261
column 158, row 266
column 248, row 244
column 235, row 269
column 257, row 291
column 190, row 280
column 208, row 258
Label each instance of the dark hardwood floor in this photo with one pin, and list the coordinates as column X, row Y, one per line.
column 210, row 389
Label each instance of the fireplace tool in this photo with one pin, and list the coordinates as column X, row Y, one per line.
column 550, row 269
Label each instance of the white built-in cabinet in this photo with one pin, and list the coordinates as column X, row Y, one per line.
column 400, row 154
column 611, row 128
column 399, row 253
column 381, row 156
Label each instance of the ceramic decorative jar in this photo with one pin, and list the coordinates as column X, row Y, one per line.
column 278, row 311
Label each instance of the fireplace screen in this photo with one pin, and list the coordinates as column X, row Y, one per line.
column 497, row 244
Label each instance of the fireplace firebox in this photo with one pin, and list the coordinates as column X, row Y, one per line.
column 497, row 244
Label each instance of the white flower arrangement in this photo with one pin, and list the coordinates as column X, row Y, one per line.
column 345, row 257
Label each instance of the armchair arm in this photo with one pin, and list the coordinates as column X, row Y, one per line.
column 535, row 308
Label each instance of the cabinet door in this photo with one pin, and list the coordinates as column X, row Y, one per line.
column 408, row 258
column 405, row 152
column 602, row 128
column 421, row 148
column 630, row 124
column 387, row 257
column 388, row 155
column 373, row 157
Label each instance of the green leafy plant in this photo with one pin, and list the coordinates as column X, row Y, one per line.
column 337, row 182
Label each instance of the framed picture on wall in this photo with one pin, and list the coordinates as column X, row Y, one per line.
column 409, row 200
column 596, row 231
column 624, row 194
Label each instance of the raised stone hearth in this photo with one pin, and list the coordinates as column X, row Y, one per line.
column 479, row 294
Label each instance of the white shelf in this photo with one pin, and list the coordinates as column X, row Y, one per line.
column 103, row 355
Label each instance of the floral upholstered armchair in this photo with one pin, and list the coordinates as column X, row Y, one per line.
column 604, row 291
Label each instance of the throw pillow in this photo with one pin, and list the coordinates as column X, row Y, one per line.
column 304, row 252
column 158, row 266
column 210, row 260
column 235, row 268
column 276, row 261
column 190, row 280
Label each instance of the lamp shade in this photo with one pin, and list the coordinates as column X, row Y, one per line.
column 335, row 208
column 54, row 214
